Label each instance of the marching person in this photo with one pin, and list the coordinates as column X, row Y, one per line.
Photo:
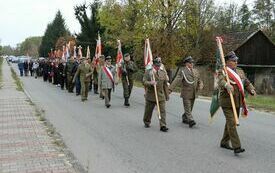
column 101, row 62
column 35, row 68
column 190, row 83
column 236, row 86
column 161, row 82
column 106, row 80
column 84, row 71
column 61, row 73
column 128, row 69
column 69, row 74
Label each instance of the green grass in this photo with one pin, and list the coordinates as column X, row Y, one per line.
column 17, row 80
column 262, row 102
column 1, row 77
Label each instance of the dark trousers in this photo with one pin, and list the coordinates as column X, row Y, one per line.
column 107, row 95
column 127, row 87
column 149, row 107
column 77, row 85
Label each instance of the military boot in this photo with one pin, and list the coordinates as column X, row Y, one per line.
column 126, row 101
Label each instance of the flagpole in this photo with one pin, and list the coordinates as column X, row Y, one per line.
column 228, row 81
column 154, row 79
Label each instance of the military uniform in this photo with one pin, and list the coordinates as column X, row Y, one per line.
column 230, row 130
column 99, row 67
column 161, row 79
column 128, row 69
column 190, row 83
column 84, row 71
column 106, row 84
column 69, row 74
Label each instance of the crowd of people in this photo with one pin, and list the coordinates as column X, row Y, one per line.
column 99, row 74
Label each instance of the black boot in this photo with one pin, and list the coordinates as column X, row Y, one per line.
column 126, row 101
column 95, row 89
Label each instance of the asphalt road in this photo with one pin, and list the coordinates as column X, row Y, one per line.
column 115, row 141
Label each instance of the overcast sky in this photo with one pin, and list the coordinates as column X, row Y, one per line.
column 24, row 18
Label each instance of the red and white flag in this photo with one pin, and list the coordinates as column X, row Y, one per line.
column 63, row 53
column 67, row 56
column 119, row 59
column 236, row 78
column 88, row 55
column 98, row 50
column 148, row 57
column 80, row 51
column 74, row 51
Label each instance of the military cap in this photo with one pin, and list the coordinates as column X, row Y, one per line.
column 102, row 57
column 108, row 58
column 126, row 54
column 231, row 56
column 188, row 59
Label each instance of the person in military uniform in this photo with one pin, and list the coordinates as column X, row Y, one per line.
column 161, row 82
column 128, row 69
column 69, row 74
column 107, row 80
column 61, row 73
column 84, row 71
column 230, row 131
column 190, row 83
column 100, row 64
column 95, row 76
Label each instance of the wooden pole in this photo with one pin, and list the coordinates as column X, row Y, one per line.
column 156, row 94
column 228, row 82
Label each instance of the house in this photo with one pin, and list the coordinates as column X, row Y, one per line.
column 256, row 54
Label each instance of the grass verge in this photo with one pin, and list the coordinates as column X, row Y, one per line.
column 17, row 80
column 1, row 77
column 262, row 102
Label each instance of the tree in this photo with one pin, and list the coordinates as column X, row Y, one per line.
column 57, row 28
column 90, row 26
column 245, row 18
column 30, row 46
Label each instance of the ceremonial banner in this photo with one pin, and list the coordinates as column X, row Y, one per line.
column 97, row 50
column 119, row 59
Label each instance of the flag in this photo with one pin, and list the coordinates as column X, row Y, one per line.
column 98, row 50
column 74, row 52
column 88, row 56
column 79, row 51
column 63, row 52
column 214, row 107
column 119, row 59
column 148, row 57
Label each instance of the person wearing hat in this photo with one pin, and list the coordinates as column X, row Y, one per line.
column 190, row 83
column 100, row 64
column 128, row 69
column 69, row 68
column 230, row 131
column 161, row 80
column 107, row 80
column 84, row 71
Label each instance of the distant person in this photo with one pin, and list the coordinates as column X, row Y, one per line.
column 35, row 68
column 128, row 69
column 107, row 80
column 30, row 67
column 26, row 67
column 84, row 71
column 21, row 67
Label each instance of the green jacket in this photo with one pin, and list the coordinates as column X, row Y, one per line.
column 161, row 78
column 128, row 69
column 189, row 81
column 224, row 98
column 85, row 72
